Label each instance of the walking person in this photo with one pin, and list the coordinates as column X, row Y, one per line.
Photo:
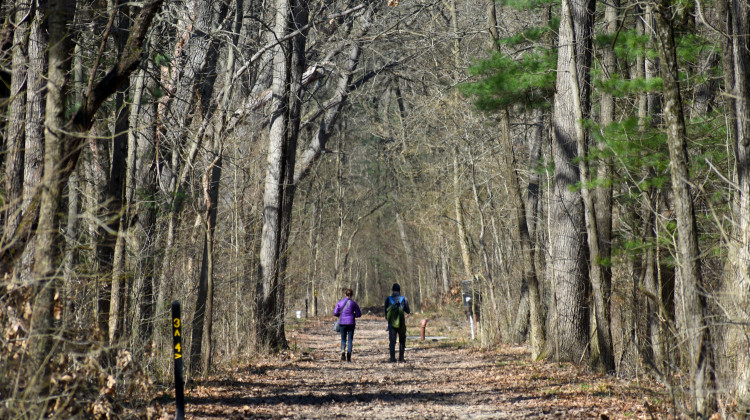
column 348, row 311
column 396, row 306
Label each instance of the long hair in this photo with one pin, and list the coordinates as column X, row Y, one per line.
column 348, row 292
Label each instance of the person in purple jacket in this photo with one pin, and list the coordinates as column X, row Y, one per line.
column 348, row 310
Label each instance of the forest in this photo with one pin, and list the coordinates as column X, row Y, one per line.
column 581, row 168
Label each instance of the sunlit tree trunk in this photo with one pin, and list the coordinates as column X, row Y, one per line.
column 47, row 246
column 142, row 190
column 34, row 124
column 689, row 293
column 567, row 233
column 463, row 240
column 737, row 284
column 522, row 233
column 15, row 134
column 278, row 194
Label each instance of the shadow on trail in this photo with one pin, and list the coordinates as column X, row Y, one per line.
column 414, row 397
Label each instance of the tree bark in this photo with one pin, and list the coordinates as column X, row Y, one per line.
column 142, row 194
column 116, row 203
column 650, row 211
column 15, row 134
column 463, row 240
column 200, row 345
column 603, row 192
column 603, row 354
column 567, row 236
column 278, row 194
column 690, row 296
column 47, row 250
column 522, row 232
column 737, row 284
column 34, row 124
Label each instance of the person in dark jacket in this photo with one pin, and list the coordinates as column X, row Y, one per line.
column 397, row 299
column 348, row 311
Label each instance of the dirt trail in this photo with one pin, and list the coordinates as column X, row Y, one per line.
column 438, row 380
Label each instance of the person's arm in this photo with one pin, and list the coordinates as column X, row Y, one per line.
column 385, row 308
column 357, row 311
column 337, row 309
column 406, row 306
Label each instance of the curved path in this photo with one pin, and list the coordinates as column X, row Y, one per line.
column 439, row 380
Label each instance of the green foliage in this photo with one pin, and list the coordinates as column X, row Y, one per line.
column 532, row 35
column 691, row 46
column 525, row 77
column 507, row 81
column 161, row 59
column 527, row 4
column 620, row 87
column 627, row 45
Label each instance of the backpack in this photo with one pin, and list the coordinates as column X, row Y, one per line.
column 395, row 312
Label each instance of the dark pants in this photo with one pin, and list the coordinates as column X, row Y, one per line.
column 392, row 333
column 347, row 331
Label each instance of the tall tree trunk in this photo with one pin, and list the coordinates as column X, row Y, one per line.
column 47, row 251
column 521, row 228
column 200, row 348
column 278, row 194
column 444, row 266
column 142, row 190
column 463, row 240
column 690, row 295
column 567, row 236
column 603, row 193
column 737, row 287
column 34, row 129
column 650, row 211
column 15, row 134
column 116, row 191
column 603, row 355
column 200, row 345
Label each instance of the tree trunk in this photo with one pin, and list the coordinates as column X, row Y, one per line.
column 117, row 204
column 567, row 236
column 15, row 134
column 200, row 348
column 141, row 200
column 690, row 295
column 34, row 129
column 278, row 194
column 463, row 240
column 522, row 233
column 737, row 287
column 603, row 193
column 444, row 266
column 47, row 250
column 650, row 211
column 603, row 352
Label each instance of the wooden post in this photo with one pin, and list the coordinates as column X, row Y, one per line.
column 315, row 303
column 179, row 385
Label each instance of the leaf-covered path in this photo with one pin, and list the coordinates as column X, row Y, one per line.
column 440, row 379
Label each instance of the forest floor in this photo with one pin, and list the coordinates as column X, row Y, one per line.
column 444, row 378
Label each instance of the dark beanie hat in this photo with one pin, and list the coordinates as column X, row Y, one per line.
column 396, row 287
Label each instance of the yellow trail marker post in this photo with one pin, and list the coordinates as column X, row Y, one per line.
column 179, row 384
